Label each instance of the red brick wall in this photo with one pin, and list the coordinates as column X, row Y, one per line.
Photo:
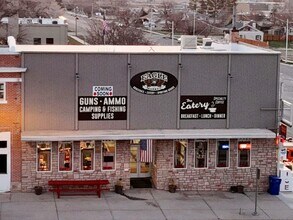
column 10, row 60
column 10, row 117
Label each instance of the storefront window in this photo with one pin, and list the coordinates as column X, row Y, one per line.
column 44, row 150
column 180, row 149
column 223, row 148
column 201, row 154
column 244, row 149
column 87, row 152
column 65, row 156
column 108, row 155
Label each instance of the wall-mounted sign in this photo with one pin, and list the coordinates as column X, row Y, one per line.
column 203, row 107
column 102, row 90
column 283, row 131
column 102, row 108
column 153, row 82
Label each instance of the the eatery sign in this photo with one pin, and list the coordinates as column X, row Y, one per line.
column 203, row 107
column 102, row 108
column 153, row 82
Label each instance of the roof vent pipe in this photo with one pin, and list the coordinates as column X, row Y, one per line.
column 11, row 43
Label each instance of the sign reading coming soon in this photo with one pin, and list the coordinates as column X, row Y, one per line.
column 153, row 82
column 102, row 108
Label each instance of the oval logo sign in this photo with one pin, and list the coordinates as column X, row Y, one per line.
column 153, row 82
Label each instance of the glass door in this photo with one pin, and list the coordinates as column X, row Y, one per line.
column 138, row 169
column 5, row 161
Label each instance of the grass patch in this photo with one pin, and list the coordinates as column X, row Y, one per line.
column 71, row 41
column 280, row 44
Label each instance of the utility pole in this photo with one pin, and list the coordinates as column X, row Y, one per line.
column 193, row 30
column 287, row 36
column 234, row 14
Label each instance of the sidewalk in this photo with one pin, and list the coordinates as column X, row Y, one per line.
column 158, row 205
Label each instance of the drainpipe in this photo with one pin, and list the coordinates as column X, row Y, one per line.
column 76, row 92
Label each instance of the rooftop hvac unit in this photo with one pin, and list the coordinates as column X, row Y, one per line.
column 207, row 43
column 188, row 42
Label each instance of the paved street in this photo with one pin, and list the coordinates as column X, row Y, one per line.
column 157, row 205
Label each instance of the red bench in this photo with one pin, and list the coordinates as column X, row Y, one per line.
column 59, row 186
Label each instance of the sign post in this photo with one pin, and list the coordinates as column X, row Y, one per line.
column 256, row 191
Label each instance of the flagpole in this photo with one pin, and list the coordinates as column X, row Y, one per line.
column 287, row 36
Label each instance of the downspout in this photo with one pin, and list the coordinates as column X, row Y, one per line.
column 179, row 90
column 76, row 125
column 228, row 91
column 128, row 91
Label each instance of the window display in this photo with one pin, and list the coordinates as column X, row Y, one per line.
column 87, row 152
column 108, row 155
column 244, row 148
column 44, row 150
column 223, row 148
column 200, row 154
column 180, row 150
column 65, row 156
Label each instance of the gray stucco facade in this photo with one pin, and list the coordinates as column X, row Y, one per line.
column 250, row 83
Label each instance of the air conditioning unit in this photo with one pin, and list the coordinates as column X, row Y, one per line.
column 207, row 43
column 188, row 42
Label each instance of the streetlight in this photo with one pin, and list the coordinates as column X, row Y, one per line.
column 76, row 18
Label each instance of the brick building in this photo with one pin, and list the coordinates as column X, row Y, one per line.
column 10, row 119
column 202, row 117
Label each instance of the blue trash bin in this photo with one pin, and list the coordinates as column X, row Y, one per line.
column 274, row 185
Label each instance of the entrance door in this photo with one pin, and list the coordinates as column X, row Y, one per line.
column 138, row 169
column 5, row 161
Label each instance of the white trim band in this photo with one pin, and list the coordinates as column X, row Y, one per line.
column 10, row 80
column 145, row 134
column 12, row 70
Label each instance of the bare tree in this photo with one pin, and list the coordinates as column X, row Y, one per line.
column 30, row 8
column 122, row 31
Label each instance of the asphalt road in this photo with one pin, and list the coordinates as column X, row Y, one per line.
column 286, row 80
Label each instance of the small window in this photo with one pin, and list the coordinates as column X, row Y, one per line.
column 49, row 40
column 180, row 150
column 2, row 92
column 37, row 41
column 108, row 155
column 44, row 150
column 65, row 156
column 223, row 148
column 258, row 37
column 244, row 149
column 201, row 154
column 87, row 152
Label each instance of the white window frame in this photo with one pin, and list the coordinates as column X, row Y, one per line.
column 72, row 144
column 249, row 154
column 37, row 153
column 93, row 159
column 186, row 155
column 115, row 165
column 229, row 155
column 198, row 140
column 4, row 100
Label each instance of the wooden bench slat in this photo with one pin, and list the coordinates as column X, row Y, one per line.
column 96, row 186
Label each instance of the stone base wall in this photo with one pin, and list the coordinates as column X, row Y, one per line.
column 263, row 156
column 31, row 178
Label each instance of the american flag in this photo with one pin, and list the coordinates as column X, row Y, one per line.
column 146, row 151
